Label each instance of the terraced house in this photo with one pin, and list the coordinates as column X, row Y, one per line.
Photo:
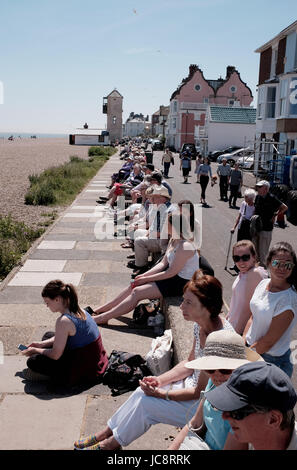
column 190, row 102
column 277, row 90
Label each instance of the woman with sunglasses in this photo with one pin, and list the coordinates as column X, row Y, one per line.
column 168, row 397
column 224, row 351
column 274, row 308
column 250, row 274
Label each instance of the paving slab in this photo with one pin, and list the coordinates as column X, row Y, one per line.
column 11, row 336
column 56, row 245
column 32, row 279
column 10, row 379
column 101, row 246
column 43, row 265
column 89, row 266
column 31, row 314
column 103, row 279
column 61, row 254
column 21, row 295
column 35, row 423
column 89, row 237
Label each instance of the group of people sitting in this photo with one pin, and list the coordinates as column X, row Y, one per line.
column 242, row 360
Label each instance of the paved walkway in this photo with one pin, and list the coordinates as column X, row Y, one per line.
column 31, row 416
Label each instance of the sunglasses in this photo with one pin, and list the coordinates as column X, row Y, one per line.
column 239, row 415
column 237, row 258
column 222, row 371
column 279, row 264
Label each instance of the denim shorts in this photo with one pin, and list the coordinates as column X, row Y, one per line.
column 283, row 362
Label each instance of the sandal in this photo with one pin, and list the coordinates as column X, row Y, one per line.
column 126, row 245
column 86, row 442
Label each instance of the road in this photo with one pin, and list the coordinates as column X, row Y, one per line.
column 217, row 220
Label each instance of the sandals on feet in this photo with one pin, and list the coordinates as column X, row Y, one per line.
column 86, row 442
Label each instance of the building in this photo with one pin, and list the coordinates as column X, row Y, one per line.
column 136, row 125
column 113, row 107
column 277, row 95
column 86, row 136
column 160, row 120
column 189, row 104
column 226, row 126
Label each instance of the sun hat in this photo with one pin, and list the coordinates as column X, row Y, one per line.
column 258, row 384
column 160, row 191
column 224, row 350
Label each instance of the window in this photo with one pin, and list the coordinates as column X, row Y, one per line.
column 197, row 87
column 233, row 89
column 273, row 63
column 230, row 102
column 175, row 106
column 205, row 100
column 173, row 123
column 270, row 104
column 283, row 97
column 261, row 93
column 293, row 97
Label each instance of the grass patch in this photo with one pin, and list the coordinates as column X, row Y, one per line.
column 15, row 240
column 59, row 185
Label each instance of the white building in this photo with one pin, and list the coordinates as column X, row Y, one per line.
column 135, row 125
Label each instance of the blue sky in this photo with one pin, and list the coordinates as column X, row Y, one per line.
column 58, row 58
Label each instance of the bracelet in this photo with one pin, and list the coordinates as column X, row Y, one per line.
column 167, row 395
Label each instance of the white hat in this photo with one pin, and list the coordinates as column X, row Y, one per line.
column 224, row 350
column 263, row 183
column 160, row 191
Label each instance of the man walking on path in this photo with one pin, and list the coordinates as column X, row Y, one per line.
column 224, row 171
column 267, row 207
column 185, row 164
column 167, row 159
column 235, row 184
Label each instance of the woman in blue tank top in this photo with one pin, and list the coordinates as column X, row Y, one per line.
column 74, row 353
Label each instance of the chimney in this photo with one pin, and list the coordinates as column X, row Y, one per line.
column 230, row 70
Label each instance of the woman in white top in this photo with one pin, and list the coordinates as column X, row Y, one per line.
column 250, row 274
column 274, row 308
column 169, row 397
column 165, row 279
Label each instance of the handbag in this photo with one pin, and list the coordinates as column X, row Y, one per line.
column 172, row 160
column 158, row 359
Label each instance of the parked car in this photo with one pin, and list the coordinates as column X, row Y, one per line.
column 246, row 162
column 216, row 153
column 192, row 149
column 234, row 156
column 157, row 145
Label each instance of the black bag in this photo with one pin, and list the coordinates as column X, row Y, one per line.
column 143, row 311
column 124, row 371
column 244, row 230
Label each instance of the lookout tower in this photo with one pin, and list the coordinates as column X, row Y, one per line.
column 113, row 107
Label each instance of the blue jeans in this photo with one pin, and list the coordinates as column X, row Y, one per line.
column 283, row 362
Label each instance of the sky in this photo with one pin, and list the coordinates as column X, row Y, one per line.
column 59, row 58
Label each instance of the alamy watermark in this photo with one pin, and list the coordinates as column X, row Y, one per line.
column 1, row 92
column 1, row 353
column 112, row 224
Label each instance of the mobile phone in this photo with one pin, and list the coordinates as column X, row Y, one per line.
column 22, row 347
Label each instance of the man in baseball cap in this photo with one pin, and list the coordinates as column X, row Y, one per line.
column 258, row 401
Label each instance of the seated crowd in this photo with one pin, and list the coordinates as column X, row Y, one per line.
column 242, row 360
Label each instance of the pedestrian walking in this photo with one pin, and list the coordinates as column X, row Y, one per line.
column 167, row 159
column 185, row 165
column 235, row 182
column 223, row 173
column 204, row 173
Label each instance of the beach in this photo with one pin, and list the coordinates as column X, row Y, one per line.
column 24, row 157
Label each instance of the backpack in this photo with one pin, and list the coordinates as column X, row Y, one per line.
column 124, row 371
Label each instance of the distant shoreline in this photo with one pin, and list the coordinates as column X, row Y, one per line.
column 26, row 135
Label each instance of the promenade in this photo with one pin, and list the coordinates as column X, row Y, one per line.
column 34, row 417
column 31, row 415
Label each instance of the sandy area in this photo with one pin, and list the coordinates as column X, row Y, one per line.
column 24, row 157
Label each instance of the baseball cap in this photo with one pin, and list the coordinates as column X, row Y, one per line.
column 255, row 383
column 263, row 183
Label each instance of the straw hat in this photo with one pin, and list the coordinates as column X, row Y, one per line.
column 224, row 350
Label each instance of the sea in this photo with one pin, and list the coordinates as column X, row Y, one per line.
column 27, row 135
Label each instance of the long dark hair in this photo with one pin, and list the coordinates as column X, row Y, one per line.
column 209, row 291
column 284, row 246
column 68, row 293
column 190, row 207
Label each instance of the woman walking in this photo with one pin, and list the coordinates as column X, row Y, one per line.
column 204, row 173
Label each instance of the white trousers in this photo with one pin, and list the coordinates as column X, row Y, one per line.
column 140, row 412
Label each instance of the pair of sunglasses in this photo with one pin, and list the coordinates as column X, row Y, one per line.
column 237, row 258
column 276, row 263
column 222, row 371
column 239, row 415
